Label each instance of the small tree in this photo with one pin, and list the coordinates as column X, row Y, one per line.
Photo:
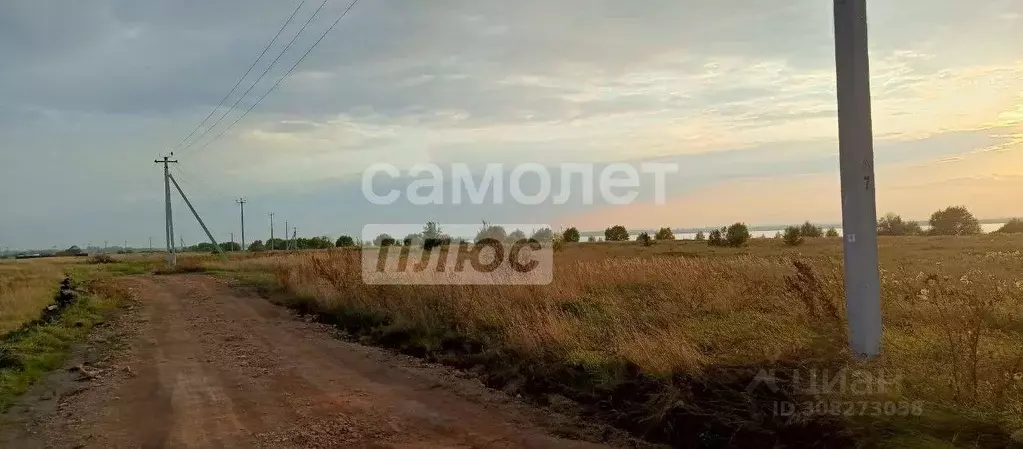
column 737, row 234
column 543, row 235
column 892, row 225
column 955, row 220
column 344, row 241
column 492, row 233
column 257, row 246
column 591, row 239
column 413, row 239
column 645, row 239
column 777, row 235
column 616, row 233
column 664, row 234
column 1013, row 226
column 792, row 236
column 230, row 246
column 715, row 238
column 516, row 236
column 700, row 236
column 832, row 232
column 809, row 230
column 570, row 235
column 431, row 230
column 384, row 240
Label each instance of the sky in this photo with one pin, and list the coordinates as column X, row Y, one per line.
column 739, row 93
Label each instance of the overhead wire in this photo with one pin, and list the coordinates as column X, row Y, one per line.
column 233, row 89
column 282, row 78
column 260, row 78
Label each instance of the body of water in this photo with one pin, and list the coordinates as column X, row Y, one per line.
column 770, row 233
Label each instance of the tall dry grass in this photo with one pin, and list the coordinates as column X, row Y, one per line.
column 25, row 288
column 953, row 333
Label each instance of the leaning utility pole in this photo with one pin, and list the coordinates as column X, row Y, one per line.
column 241, row 202
column 271, row 241
column 856, row 161
column 216, row 246
column 171, row 257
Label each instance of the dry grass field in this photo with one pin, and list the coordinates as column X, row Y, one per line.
column 697, row 321
column 25, row 288
column 670, row 341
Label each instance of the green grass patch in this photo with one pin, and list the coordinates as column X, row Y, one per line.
column 29, row 355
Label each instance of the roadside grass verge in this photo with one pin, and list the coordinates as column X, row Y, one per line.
column 29, row 353
column 668, row 347
column 25, row 288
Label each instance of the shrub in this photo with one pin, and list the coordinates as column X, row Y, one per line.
column 645, row 239
column 384, row 240
column 492, row 232
column 259, row 246
column 616, row 233
column 515, row 236
column 832, row 233
column 664, row 234
column 102, row 259
column 810, row 230
column 570, row 235
column 544, row 235
column 955, row 220
column 792, row 236
column 591, row 239
column 700, row 236
column 715, row 238
column 1013, row 226
column 737, row 235
column 892, row 224
column 342, row 242
column 413, row 239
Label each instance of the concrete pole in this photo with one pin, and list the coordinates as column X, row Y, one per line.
column 171, row 257
column 856, row 156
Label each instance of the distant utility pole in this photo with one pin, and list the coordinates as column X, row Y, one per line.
column 125, row 247
column 232, row 241
column 294, row 237
column 169, row 222
column 287, row 241
column 271, row 231
column 241, row 202
column 105, row 246
column 182, row 241
column 150, row 244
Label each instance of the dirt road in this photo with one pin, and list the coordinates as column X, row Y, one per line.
column 205, row 366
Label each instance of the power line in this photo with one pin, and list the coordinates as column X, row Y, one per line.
column 222, row 100
column 279, row 81
column 261, row 75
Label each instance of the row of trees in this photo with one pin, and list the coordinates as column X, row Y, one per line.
column 955, row 220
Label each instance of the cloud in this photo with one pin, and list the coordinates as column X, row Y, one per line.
column 92, row 94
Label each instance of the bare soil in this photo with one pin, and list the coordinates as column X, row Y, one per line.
column 198, row 364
